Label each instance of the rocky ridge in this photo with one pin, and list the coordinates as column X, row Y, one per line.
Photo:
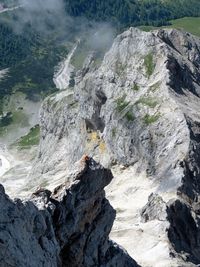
column 138, row 113
column 139, row 109
column 122, row 111
column 66, row 227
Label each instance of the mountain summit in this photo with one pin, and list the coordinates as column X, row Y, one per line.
column 138, row 114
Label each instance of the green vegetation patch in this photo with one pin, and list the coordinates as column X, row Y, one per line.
column 82, row 52
column 149, row 64
column 79, row 57
column 147, row 101
column 188, row 24
column 155, row 86
column 147, row 28
column 19, row 118
column 31, row 58
column 135, row 87
column 129, row 116
column 31, row 139
column 122, row 103
column 149, row 119
column 132, row 12
column 114, row 132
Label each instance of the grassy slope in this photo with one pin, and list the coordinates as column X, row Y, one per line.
column 188, row 24
column 30, row 139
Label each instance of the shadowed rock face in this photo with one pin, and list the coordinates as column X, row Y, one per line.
column 184, row 231
column 68, row 227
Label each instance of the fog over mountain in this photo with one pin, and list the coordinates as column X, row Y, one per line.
column 51, row 17
column 42, row 15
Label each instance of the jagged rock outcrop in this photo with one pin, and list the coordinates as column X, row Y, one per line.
column 139, row 109
column 184, row 231
column 66, row 227
column 121, row 111
column 155, row 209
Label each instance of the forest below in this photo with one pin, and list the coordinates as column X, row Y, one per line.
column 31, row 56
column 134, row 12
column 123, row 13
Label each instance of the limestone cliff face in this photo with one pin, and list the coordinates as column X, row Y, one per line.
column 123, row 111
column 140, row 108
column 67, row 227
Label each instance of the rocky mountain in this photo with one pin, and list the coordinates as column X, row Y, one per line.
column 138, row 110
column 66, row 227
column 137, row 114
column 122, row 111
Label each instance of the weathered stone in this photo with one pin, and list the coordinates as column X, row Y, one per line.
column 184, row 231
column 139, row 108
column 155, row 209
column 69, row 227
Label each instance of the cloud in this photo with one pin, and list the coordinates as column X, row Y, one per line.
column 42, row 15
column 101, row 36
column 50, row 16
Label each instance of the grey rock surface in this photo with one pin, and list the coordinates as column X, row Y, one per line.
column 67, row 227
column 155, row 209
column 26, row 235
column 184, row 231
column 139, row 108
column 121, row 112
